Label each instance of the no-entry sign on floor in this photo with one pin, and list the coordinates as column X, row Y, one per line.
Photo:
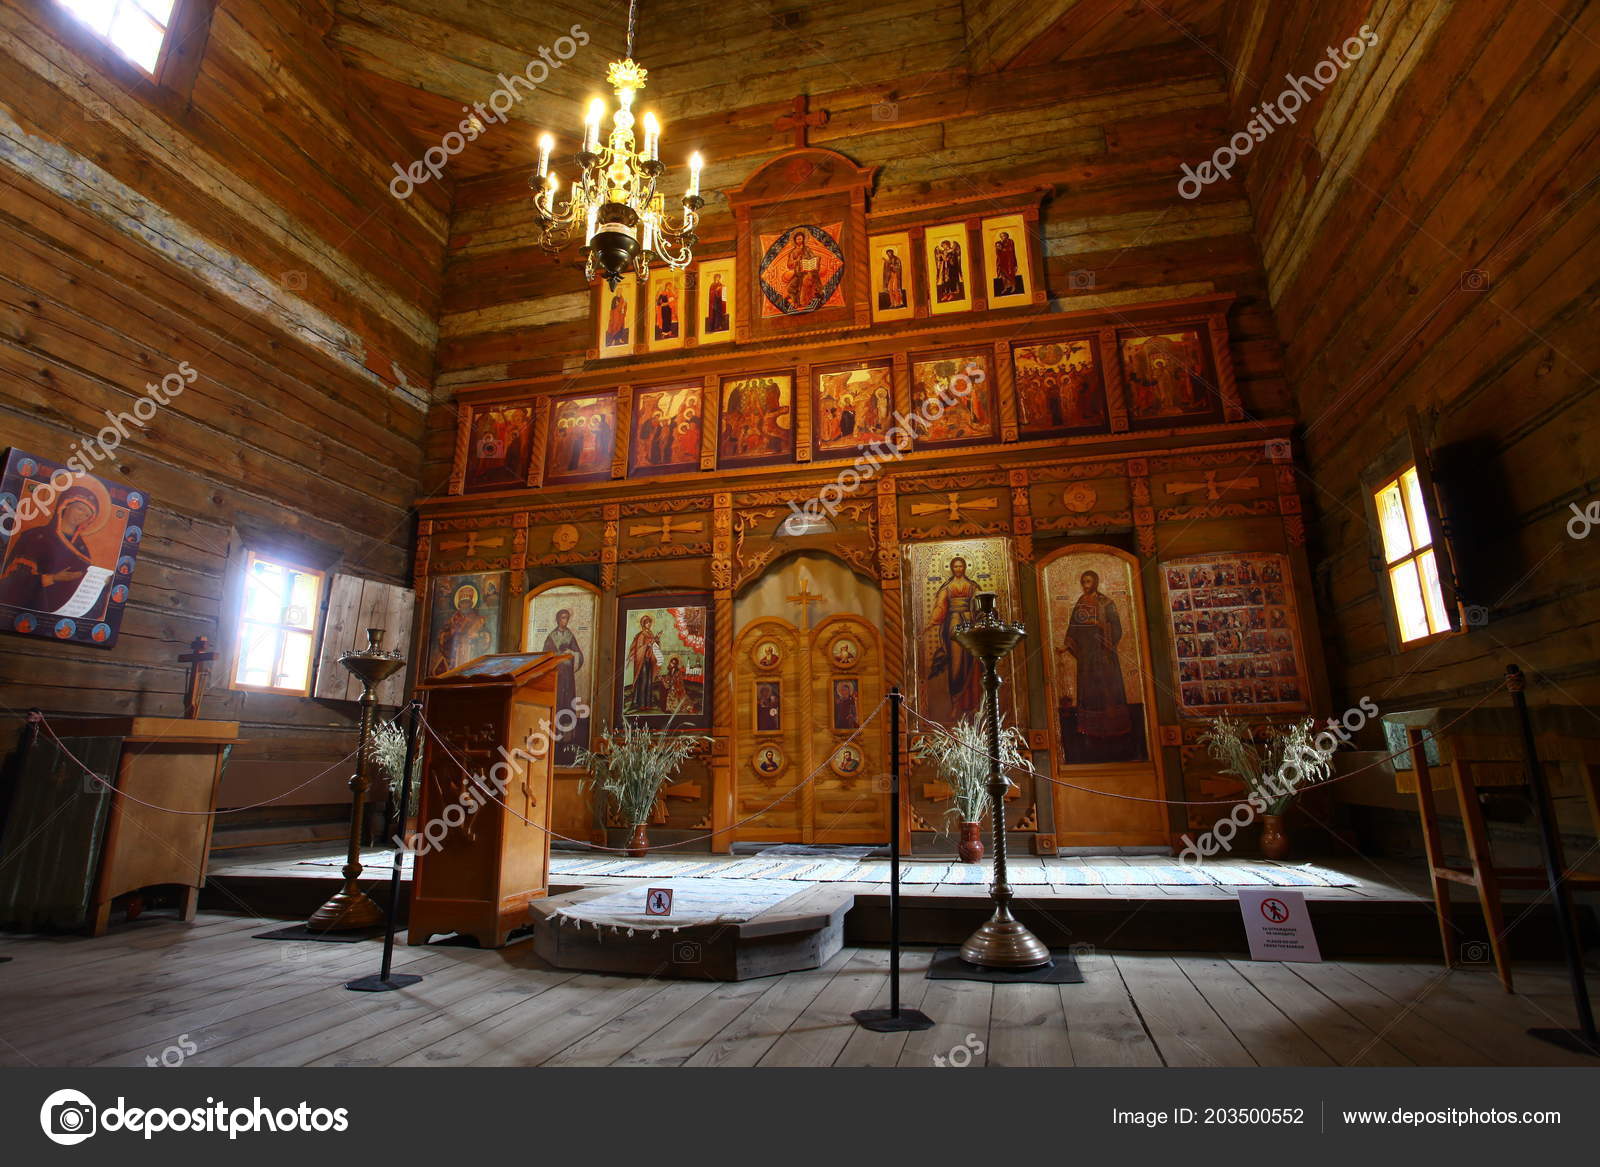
column 1278, row 925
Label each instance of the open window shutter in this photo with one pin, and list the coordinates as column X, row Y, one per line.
column 354, row 605
column 1438, row 521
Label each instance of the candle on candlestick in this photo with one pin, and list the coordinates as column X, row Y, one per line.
column 591, row 126
column 695, row 163
column 546, row 143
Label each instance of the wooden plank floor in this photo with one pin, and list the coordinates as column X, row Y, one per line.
column 208, row 994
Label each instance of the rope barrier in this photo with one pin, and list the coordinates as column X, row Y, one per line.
column 49, row 729
column 936, row 727
column 807, row 780
column 1426, row 737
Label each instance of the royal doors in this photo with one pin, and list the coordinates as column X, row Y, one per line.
column 809, row 736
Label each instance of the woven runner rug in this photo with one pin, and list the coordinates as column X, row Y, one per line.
column 1025, row 871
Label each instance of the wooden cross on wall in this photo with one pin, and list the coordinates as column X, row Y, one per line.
column 801, row 122
column 198, row 658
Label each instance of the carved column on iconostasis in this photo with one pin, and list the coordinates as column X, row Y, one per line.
column 802, row 414
column 419, row 565
column 612, row 514
column 623, row 427
column 1116, row 388
column 710, row 425
column 1232, row 407
column 1294, row 520
column 541, row 431
column 902, row 392
column 1144, row 515
column 1005, row 390
column 1021, row 517
column 722, row 711
column 458, row 460
column 519, row 553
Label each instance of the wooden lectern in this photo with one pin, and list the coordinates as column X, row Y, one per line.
column 73, row 844
column 483, row 847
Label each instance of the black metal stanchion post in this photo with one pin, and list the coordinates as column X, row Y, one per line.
column 385, row 981
column 1584, row 1039
column 893, row 1019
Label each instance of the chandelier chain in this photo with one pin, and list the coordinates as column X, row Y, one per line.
column 633, row 10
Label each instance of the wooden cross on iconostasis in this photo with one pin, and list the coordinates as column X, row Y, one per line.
column 801, row 122
column 667, row 528
column 953, row 505
column 798, row 120
column 805, row 597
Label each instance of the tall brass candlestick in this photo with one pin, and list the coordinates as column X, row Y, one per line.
column 351, row 908
column 1002, row 941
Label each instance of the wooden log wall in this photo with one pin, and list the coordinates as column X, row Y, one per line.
column 242, row 226
column 1429, row 234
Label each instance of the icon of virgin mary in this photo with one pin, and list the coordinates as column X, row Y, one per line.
column 45, row 564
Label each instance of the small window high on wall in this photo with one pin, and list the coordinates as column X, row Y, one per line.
column 275, row 641
column 1410, row 560
column 135, row 28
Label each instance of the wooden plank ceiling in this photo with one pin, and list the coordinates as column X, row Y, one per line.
column 423, row 60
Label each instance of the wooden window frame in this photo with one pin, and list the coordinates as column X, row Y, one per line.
column 171, row 86
column 1405, row 453
column 239, row 621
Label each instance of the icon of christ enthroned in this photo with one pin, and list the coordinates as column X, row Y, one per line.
column 801, row 270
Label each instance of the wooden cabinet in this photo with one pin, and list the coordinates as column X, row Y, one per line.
column 484, row 843
column 73, row 844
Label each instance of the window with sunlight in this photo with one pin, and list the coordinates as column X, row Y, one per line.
column 135, row 28
column 277, row 627
column 1409, row 558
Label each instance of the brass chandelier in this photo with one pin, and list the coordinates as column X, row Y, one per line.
column 614, row 202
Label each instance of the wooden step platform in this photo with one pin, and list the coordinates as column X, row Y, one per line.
column 804, row 931
column 1383, row 911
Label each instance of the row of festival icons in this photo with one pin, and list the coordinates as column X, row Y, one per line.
column 1167, row 375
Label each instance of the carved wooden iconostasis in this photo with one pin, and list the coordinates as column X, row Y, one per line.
column 760, row 534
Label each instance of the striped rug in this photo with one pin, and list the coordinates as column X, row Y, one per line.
column 1024, row 870
column 1027, row 871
